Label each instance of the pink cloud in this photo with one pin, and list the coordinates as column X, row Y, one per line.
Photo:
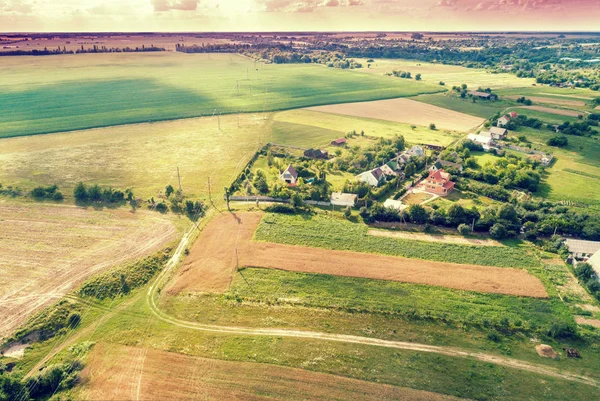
column 305, row 5
column 166, row 5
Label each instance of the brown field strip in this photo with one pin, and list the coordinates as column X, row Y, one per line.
column 551, row 100
column 560, row 112
column 47, row 250
column 405, row 111
column 447, row 239
column 129, row 373
column 212, row 261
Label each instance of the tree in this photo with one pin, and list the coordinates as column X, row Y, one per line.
column 80, row 192
column 559, row 141
column 418, row 214
column 584, row 271
column 498, row 231
column 95, row 193
column 507, row 212
column 297, row 200
column 169, row 190
column 456, row 215
column 464, row 229
column 432, row 126
column 418, row 77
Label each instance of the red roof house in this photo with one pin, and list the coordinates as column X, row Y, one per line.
column 339, row 142
column 438, row 182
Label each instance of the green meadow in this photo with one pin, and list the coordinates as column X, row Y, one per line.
column 70, row 93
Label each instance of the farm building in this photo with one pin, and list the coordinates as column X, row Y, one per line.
column 290, row 175
column 498, row 133
column 594, row 261
column 394, row 204
column 440, row 164
column 343, row 199
column 581, row 249
column 316, row 154
column 339, row 142
column 483, row 138
column 374, row 177
column 483, row 95
column 433, row 147
column 438, row 182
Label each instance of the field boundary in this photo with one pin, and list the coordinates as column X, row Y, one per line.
column 153, row 294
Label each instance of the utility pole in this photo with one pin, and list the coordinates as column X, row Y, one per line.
column 179, row 179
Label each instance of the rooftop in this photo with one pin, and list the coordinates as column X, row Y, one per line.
column 582, row 246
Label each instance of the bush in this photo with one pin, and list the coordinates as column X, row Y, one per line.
column 561, row 329
column 558, row 141
column 432, row 126
column 464, row 229
column 280, row 208
column 498, row 231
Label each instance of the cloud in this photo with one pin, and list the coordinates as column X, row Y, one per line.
column 15, row 7
column 305, row 5
column 167, row 5
column 447, row 3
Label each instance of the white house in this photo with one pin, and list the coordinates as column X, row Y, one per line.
column 290, row 175
column 388, row 171
column 483, row 138
column 374, row 177
column 394, row 204
column 343, row 199
column 594, row 261
column 582, row 249
column 502, row 121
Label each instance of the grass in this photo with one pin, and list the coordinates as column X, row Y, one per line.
column 321, row 128
column 465, row 201
column 546, row 117
column 335, row 233
column 393, row 298
column 54, row 94
column 142, row 156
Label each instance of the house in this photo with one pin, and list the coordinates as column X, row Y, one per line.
column 483, row 138
column 482, row 95
column 339, row 142
column 582, row 249
column 394, row 204
column 316, row 154
column 343, row 199
column 388, row 171
column 438, row 182
column 440, row 164
column 498, row 133
column 374, row 177
column 433, row 147
column 290, row 175
column 394, row 165
column 513, row 114
column 415, row 151
column 503, row 121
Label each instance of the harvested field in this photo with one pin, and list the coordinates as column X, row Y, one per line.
column 551, row 100
column 210, row 264
column 47, row 250
column 589, row 322
column 405, row 111
column 131, row 373
column 448, row 239
column 560, row 112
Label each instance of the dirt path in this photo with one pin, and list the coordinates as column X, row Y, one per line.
column 227, row 242
column 550, row 100
column 590, row 322
column 560, row 112
column 448, row 239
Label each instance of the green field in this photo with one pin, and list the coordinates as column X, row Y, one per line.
column 313, row 128
column 142, row 156
column 574, row 174
column 335, row 233
column 452, row 75
column 69, row 93
column 483, row 109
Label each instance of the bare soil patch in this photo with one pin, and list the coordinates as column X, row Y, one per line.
column 210, row 264
column 47, row 250
column 589, row 322
column 551, row 100
column 405, row 111
column 545, row 351
column 560, row 112
column 448, row 239
column 130, row 373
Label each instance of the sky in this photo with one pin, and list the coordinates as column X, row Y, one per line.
column 298, row 15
